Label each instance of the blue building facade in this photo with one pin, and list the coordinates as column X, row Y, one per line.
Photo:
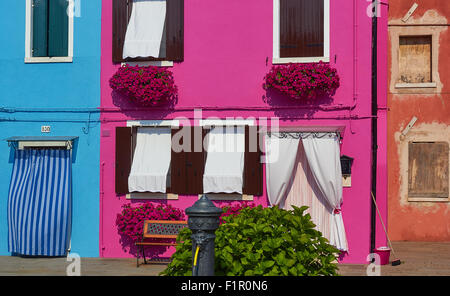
column 50, row 82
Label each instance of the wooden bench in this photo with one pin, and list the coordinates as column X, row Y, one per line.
column 158, row 229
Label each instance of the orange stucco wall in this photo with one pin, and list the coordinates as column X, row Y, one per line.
column 417, row 221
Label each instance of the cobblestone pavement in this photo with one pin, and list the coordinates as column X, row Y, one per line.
column 418, row 259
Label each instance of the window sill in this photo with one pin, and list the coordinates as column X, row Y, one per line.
column 151, row 195
column 300, row 60
column 35, row 60
column 428, row 199
column 228, row 196
column 416, row 85
column 150, row 63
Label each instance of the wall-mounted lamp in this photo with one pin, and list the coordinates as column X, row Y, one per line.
column 346, row 168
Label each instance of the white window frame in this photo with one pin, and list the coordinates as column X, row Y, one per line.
column 276, row 38
column 152, row 195
column 29, row 38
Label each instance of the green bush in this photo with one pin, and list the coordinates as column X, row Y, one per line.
column 263, row 241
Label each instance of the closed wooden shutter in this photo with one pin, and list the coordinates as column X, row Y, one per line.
column 177, row 167
column 253, row 175
column 175, row 30
column 124, row 152
column 40, row 28
column 58, row 28
column 120, row 19
column 301, row 28
column 428, row 169
column 187, row 167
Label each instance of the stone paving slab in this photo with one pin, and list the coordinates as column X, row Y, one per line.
column 418, row 259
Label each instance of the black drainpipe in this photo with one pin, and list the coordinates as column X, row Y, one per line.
column 374, row 124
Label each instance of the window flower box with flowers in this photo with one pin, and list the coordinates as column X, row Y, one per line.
column 145, row 85
column 303, row 82
column 130, row 221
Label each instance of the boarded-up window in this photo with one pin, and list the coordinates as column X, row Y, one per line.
column 428, row 169
column 415, row 59
column 173, row 36
column 301, row 28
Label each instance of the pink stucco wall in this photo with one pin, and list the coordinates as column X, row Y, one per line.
column 228, row 51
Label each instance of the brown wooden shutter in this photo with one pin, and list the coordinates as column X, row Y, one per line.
column 177, row 168
column 187, row 167
column 123, row 158
column 428, row 169
column 195, row 164
column 121, row 14
column 301, row 28
column 175, row 30
column 253, row 175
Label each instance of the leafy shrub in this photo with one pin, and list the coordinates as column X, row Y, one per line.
column 263, row 241
column 146, row 85
column 234, row 210
column 303, row 81
column 131, row 220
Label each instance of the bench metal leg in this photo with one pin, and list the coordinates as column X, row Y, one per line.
column 137, row 256
column 143, row 254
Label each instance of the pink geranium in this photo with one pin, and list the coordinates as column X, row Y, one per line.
column 131, row 220
column 303, row 81
column 146, row 85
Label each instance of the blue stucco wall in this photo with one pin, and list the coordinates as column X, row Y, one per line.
column 62, row 95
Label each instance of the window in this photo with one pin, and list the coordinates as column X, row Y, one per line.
column 428, row 169
column 188, row 159
column 164, row 42
column 301, row 31
column 415, row 66
column 49, row 31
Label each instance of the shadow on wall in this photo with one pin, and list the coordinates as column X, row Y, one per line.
column 136, row 111
column 290, row 108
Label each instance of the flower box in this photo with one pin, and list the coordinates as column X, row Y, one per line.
column 303, row 81
column 145, row 85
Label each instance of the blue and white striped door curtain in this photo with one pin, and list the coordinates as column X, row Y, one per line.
column 40, row 203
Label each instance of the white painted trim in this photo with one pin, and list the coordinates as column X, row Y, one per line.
column 416, row 85
column 150, row 63
column 151, row 195
column 29, row 38
column 227, row 196
column 300, row 60
column 428, row 199
column 23, row 144
column 276, row 37
column 156, row 123
column 227, row 122
column 37, row 60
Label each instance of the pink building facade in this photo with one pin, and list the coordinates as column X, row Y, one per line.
column 228, row 49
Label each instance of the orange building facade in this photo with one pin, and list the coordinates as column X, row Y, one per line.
column 419, row 120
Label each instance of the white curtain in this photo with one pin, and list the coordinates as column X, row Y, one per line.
column 305, row 192
column 323, row 156
column 224, row 165
column 151, row 161
column 145, row 29
column 280, row 162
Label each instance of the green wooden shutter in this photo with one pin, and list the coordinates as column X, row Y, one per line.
column 58, row 28
column 40, row 28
